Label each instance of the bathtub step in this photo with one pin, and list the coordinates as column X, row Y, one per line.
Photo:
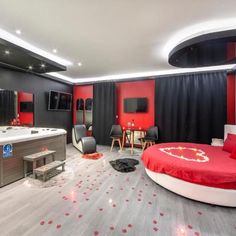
column 46, row 169
column 33, row 158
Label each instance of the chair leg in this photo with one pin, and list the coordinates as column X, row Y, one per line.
column 120, row 144
column 144, row 145
column 112, row 144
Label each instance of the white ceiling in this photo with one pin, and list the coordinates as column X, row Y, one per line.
column 109, row 37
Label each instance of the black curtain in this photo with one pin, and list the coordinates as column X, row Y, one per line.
column 7, row 107
column 191, row 108
column 104, row 111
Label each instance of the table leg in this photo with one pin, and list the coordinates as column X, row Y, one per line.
column 123, row 139
column 25, row 168
column 132, row 142
column 34, row 167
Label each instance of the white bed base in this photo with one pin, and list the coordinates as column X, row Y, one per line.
column 216, row 196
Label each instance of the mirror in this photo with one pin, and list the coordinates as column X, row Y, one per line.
column 89, row 113
column 80, row 111
column 16, row 108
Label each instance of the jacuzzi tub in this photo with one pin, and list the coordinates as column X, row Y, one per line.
column 25, row 141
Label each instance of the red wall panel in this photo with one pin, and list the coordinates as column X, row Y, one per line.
column 231, row 87
column 145, row 88
column 81, row 91
column 26, row 118
column 231, row 99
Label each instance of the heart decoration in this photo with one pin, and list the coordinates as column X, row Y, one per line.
column 197, row 156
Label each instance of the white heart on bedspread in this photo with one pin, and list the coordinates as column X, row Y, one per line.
column 200, row 156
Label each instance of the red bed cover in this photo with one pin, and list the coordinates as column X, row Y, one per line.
column 196, row 163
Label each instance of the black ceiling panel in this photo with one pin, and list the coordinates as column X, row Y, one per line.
column 16, row 56
column 205, row 50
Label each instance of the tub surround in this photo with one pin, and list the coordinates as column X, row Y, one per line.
column 26, row 141
column 16, row 134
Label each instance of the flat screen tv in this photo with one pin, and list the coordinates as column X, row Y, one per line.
column 59, row 101
column 133, row 105
column 26, row 106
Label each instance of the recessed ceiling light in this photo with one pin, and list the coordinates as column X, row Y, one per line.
column 18, row 32
column 54, row 50
column 42, row 65
column 79, row 64
column 7, row 52
column 30, row 67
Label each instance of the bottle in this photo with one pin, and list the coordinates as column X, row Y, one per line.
column 132, row 123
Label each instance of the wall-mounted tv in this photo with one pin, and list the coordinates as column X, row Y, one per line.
column 26, row 106
column 133, row 105
column 59, row 101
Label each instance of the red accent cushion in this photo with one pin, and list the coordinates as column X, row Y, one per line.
column 229, row 143
column 233, row 154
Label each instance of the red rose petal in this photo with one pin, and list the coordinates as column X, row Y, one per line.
column 114, row 205
column 58, row 226
column 42, row 222
column 199, row 213
column 190, row 226
column 124, row 231
column 67, row 214
column 96, row 233
column 161, row 214
column 100, row 209
column 197, row 233
column 80, row 216
column 112, row 228
column 154, row 222
column 155, row 229
column 130, row 226
column 150, row 203
column 50, row 222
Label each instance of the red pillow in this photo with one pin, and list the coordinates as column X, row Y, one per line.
column 233, row 154
column 229, row 143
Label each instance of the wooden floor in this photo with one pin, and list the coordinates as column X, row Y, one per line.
column 91, row 198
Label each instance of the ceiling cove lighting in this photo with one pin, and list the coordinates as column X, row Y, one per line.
column 141, row 74
column 61, row 77
column 197, row 30
column 17, row 41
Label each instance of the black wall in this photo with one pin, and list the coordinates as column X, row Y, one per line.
column 39, row 86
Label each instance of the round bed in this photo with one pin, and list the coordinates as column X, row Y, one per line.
column 197, row 171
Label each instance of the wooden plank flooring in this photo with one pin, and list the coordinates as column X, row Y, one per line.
column 91, row 198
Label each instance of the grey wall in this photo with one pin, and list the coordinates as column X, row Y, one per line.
column 39, row 86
